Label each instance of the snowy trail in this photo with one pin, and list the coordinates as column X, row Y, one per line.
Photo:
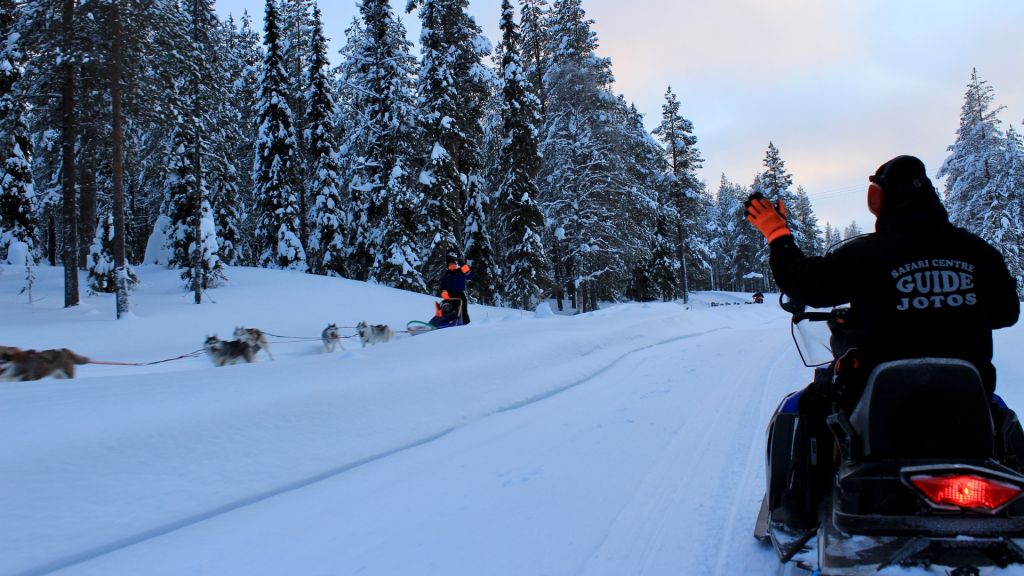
column 604, row 473
column 626, row 441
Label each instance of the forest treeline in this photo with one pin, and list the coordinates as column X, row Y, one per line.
column 153, row 131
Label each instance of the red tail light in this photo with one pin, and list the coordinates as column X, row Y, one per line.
column 965, row 491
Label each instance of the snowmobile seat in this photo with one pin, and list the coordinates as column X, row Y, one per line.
column 924, row 408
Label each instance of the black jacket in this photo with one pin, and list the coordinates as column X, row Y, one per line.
column 917, row 286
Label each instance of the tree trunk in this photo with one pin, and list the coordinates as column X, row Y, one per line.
column 197, row 170
column 121, row 273
column 558, row 290
column 681, row 244
column 87, row 165
column 68, row 211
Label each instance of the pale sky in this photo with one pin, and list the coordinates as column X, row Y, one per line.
column 839, row 86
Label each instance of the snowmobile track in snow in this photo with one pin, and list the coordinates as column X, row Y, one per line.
column 167, row 528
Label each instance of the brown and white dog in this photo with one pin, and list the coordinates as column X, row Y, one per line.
column 254, row 338
column 17, row 365
column 224, row 352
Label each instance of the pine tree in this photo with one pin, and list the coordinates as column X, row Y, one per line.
column 386, row 207
column 685, row 189
column 274, row 178
column 188, row 212
column 521, row 223
column 832, row 236
column 534, row 49
column 852, row 230
column 802, row 214
column 103, row 270
column 16, row 189
column 296, row 29
column 974, row 157
column 236, row 220
column 581, row 178
column 453, row 88
column 775, row 184
column 1002, row 223
column 741, row 246
column 327, row 233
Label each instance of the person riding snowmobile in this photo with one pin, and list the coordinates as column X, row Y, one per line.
column 917, row 287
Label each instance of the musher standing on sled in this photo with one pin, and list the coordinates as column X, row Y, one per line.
column 917, row 287
column 453, row 285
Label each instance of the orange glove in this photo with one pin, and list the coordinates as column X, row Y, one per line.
column 769, row 220
column 465, row 268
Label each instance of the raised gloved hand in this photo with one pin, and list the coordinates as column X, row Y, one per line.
column 769, row 220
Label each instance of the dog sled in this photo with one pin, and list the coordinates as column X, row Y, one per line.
column 448, row 313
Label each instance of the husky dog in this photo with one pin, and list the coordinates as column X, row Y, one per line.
column 331, row 338
column 18, row 365
column 224, row 352
column 373, row 334
column 254, row 338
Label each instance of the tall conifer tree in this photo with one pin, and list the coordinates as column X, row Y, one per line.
column 277, row 228
column 521, row 223
column 327, row 218
column 16, row 189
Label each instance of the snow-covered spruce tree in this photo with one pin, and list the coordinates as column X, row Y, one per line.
column 327, row 218
column 649, row 250
column 16, row 190
column 832, row 236
column 581, row 179
column 974, row 158
column 1002, row 223
column 453, row 88
column 775, row 183
column 801, row 212
column 535, row 43
column 274, row 178
column 685, row 189
column 520, row 221
column 48, row 27
column 732, row 241
column 196, row 156
column 102, row 268
column 852, row 230
column 295, row 26
column 378, row 87
column 387, row 208
column 187, row 209
column 228, row 113
column 242, row 63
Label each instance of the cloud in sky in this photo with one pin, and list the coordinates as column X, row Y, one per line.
column 839, row 87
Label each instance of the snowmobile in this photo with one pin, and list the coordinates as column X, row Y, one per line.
column 920, row 469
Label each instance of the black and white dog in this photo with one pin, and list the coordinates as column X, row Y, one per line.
column 372, row 334
column 224, row 352
column 331, row 338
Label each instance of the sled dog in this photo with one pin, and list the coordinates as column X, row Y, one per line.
column 17, row 365
column 331, row 338
column 372, row 334
column 224, row 352
column 255, row 338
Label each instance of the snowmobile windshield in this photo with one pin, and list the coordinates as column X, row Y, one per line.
column 812, row 337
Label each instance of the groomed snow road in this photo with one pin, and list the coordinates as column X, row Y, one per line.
column 624, row 442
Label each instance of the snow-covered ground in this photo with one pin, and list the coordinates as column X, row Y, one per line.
column 624, row 442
